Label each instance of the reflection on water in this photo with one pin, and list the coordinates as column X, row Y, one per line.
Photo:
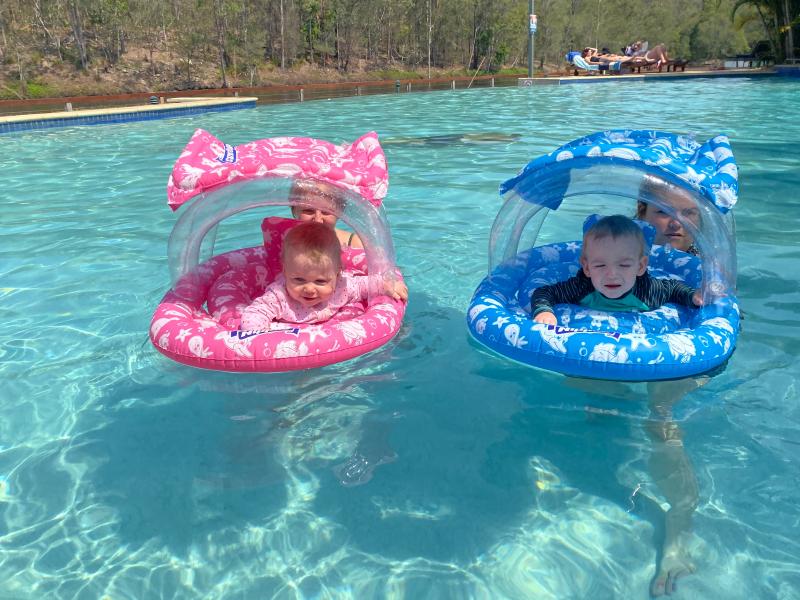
column 428, row 468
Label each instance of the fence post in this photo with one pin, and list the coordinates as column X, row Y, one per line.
column 408, row 86
column 453, row 84
column 492, row 81
column 301, row 94
column 68, row 107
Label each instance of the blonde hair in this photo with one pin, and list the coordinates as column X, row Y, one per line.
column 315, row 241
column 615, row 227
column 309, row 188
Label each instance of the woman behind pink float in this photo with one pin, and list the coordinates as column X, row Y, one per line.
column 325, row 202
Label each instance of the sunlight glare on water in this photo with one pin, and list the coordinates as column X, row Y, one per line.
column 427, row 468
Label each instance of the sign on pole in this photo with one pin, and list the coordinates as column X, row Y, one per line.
column 531, row 30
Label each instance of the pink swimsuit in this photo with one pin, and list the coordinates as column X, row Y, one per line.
column 276, row 305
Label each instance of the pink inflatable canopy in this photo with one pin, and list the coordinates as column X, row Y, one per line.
column 207, row 163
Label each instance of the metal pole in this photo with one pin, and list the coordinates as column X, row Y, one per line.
column 530, row 41
column 533, row 40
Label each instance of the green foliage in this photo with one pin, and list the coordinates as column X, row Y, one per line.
column 13, row 90
column 39, row 90
column 244, row 36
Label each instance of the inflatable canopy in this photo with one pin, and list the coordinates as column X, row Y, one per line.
column 652, row 167
column 197, row 321
column 222, row 180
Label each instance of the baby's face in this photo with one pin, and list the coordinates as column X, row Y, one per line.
column 668, row 229
column 613, row 264
column 309, row 282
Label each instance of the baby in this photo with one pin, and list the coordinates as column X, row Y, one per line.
column 311, row 287
column 613, row 276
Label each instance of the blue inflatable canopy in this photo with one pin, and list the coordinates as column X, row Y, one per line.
column 637, row 164
column 708, row 168
column 694, row 183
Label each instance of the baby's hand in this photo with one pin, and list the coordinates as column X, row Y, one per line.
column 547, row 318
column 697, row 298
column 396, row 289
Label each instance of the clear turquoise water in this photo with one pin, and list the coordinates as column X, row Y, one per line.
column 123, row 475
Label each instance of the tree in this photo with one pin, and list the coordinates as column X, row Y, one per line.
column 780, row 18
column 76, row 21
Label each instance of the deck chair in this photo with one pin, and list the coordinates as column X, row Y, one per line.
column 636, row 65
column 580, row 63
column 678, row 63
column 760, row 55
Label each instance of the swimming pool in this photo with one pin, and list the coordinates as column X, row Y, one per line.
column 128, row 476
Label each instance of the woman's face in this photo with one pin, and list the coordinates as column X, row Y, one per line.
column 668, row 229
column 319, row 214
column 306, row 213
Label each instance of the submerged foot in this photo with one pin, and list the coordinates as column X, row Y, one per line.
column 358, row 469
column 675, row 563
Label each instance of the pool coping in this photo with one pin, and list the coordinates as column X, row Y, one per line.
column 173, row 107
column 596, row 77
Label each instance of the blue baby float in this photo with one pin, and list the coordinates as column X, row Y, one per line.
column 648, row 166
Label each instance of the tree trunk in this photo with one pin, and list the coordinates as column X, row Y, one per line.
column 787, row 16
column 473, row 42
column 49, row 38
column 23, row 83
column 77, row 30
column 283, row 40
column 219, row 24
column 430, row 36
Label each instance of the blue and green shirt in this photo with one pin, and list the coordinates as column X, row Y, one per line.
column 648, row 293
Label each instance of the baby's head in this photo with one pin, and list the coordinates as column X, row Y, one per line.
column 311, row 260
column 325, row 202
column 614, row 255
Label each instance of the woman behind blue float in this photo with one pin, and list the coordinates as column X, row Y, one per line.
column 670, row 342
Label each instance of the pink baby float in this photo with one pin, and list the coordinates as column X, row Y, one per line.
column 197, row 321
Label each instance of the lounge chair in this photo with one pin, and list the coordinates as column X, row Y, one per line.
column 759, row 56
column 678, row 63
column 637, row 64
column 580, row 63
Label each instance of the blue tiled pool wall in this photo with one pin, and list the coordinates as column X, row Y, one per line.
column 788, row 70
column 145, row 115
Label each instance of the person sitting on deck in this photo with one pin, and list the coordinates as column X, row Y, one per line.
column 593, row 55
column 640, row 54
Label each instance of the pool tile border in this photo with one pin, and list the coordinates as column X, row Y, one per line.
column 127, row 114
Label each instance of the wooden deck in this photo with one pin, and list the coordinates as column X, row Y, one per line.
column 597, row 77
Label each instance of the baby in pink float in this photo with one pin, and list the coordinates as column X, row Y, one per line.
column 312, row 288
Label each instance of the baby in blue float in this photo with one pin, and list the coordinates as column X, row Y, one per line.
column 613, row 275
column 662, row 332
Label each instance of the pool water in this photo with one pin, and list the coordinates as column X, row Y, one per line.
column 426, row 469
